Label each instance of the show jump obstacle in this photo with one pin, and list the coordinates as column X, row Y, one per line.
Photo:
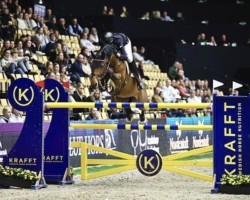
column 47, row 155
column 230, row 129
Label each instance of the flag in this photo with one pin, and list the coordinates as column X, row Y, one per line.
column 217, row 84
column 236, row 85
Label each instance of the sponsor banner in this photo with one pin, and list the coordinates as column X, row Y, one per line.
column 134, row 141
column 56, row 154
column 231, row 136
column 9, row 135
column 127, row 141
column 27, row 151
column 107, row 138
column 180, row 140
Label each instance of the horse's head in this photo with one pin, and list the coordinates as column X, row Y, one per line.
column 101, row 67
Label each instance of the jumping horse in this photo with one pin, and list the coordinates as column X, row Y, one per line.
column 109, row 72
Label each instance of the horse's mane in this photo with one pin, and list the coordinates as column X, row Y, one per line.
column 107, row 51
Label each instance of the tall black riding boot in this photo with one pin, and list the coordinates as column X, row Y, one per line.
column 136, row 73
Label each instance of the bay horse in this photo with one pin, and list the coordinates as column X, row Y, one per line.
column 110, row 70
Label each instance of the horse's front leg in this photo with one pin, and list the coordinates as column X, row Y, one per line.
column 142, row 116
column 129, row 114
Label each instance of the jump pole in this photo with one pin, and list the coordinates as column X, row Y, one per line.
column 127, row 105
column 142, row 127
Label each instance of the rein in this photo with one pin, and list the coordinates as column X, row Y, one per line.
column 106, row 71
column 101, row 76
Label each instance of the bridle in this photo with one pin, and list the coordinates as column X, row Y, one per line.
column 101, row 76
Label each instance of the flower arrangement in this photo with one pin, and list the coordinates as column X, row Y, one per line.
column 19, row 173
column 235, row 180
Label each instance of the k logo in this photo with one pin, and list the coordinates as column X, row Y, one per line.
column 149, row 162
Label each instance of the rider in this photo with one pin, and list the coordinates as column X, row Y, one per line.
column 123, row 45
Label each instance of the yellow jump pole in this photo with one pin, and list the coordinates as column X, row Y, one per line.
column 142, row 127
column 126, row 105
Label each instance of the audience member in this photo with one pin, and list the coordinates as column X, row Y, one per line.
column 183, row 91
column 40, row 40
column 179, row 17
column 224, row 41
column 61, row 60
column 51, row 45
column 79, row 69
column 85, row 42
column 30, row 12
column 8, row 30
column 181, row 75
column 166, row 18
column 93, row 36
column 94, row 114
column 9, row 65
column 62, row 28
column 137, row 57
column 169, row 93
column 104, row 10
column 74, row 28
column 20, row 22
column 212, row 41
column 172, row 71
column 48, row 16
column 51, row 75
column 124, row 12
column 6, row 115
column 16, row 117
column 6, row 46
column 111, row 11
column 95, row 96
column 30, row 23
column 146, row 16
column 79, row 96
column 21, row 61
column 52, row 25
column 49, row 67
column 201, row 39
column 157, row 98
column 156, row 15
column 54, row 52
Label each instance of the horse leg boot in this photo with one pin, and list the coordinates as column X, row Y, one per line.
column 136, row 73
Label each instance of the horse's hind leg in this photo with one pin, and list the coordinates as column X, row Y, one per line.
column 142, row 116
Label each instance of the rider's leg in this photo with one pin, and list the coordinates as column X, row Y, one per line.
column 127, row 51
column 136, row 73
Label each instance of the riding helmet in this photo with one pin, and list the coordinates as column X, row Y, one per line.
column 108, row 37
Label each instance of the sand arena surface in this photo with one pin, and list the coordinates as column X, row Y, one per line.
column 129, row 185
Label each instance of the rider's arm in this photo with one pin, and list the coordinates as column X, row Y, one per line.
column 122, row 54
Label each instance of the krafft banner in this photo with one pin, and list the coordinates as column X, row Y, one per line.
column 56, row 155
column 27, row 151
column 231, row 136
column 9, row 135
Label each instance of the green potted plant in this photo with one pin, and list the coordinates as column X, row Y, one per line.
column 235, row 184
column 17, row 177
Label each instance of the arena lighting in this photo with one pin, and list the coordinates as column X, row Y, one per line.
column 40, row 2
